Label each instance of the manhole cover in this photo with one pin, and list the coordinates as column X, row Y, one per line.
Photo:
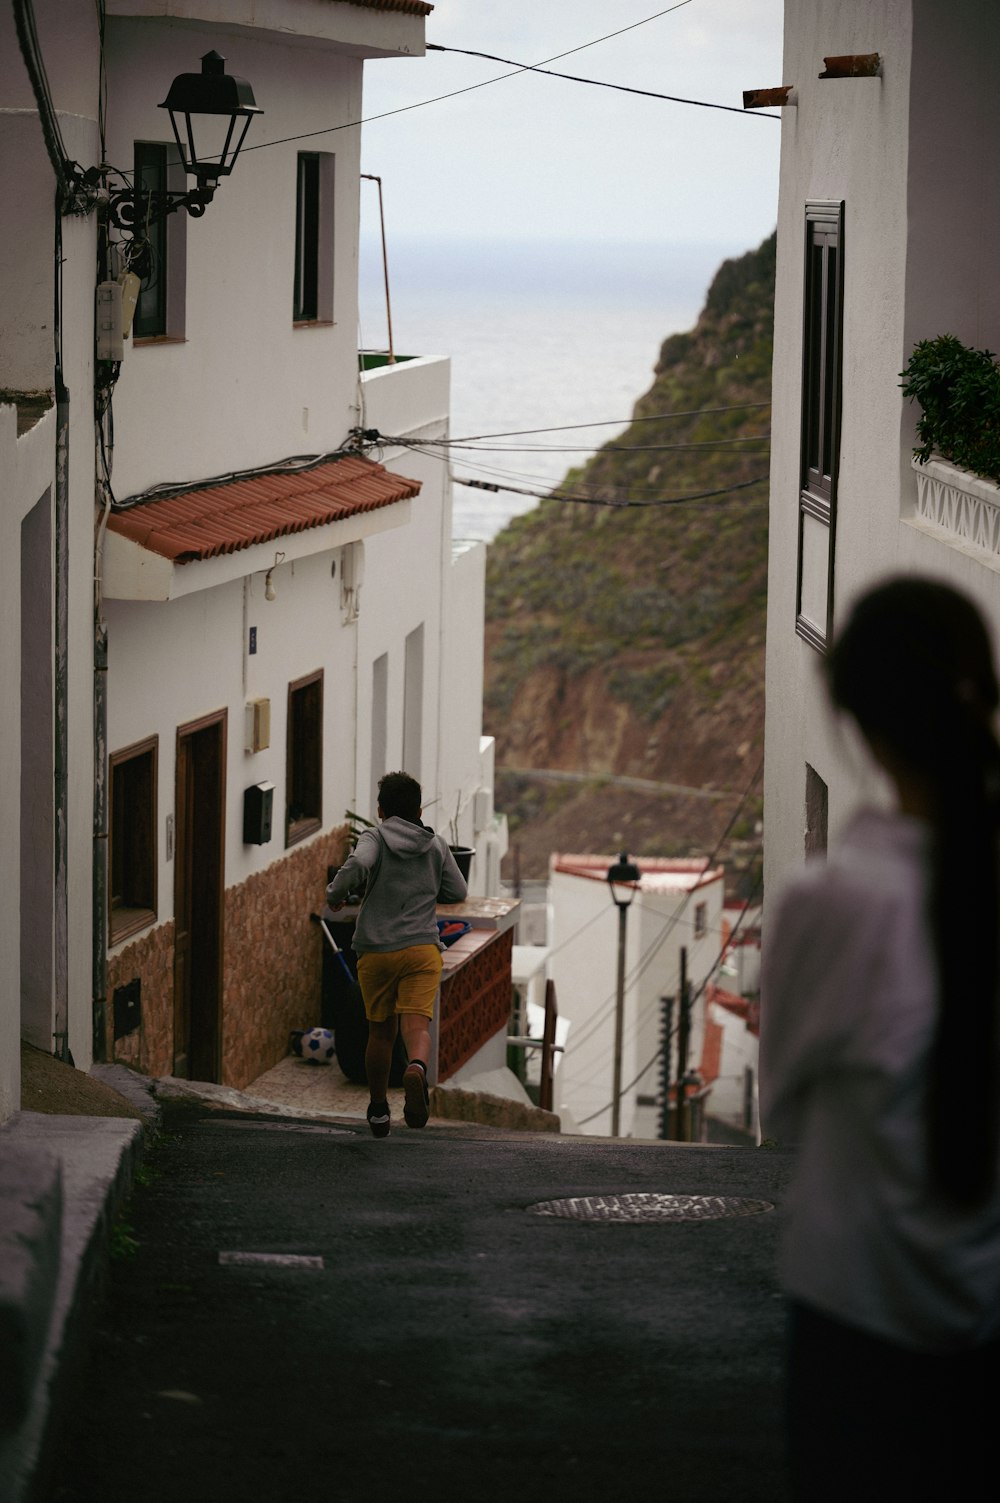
column 650, row 1207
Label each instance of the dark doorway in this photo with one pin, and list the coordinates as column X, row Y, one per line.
column 199, row 862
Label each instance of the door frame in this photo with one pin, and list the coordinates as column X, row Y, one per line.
column 199, row 889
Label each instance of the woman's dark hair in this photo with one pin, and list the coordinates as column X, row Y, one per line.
column 400, row 794
column 914, row 668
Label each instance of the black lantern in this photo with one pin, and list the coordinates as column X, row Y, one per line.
column 212, row 92
column 624, row 875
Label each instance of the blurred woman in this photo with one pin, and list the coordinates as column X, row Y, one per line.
column 879, row 1059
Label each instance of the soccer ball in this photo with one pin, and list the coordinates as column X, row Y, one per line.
column 315, row 1045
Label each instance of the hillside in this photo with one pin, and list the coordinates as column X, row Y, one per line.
column 627, row 641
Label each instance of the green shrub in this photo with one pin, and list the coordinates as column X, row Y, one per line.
column 958, row 389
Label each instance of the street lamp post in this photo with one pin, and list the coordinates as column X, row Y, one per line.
column 622, row 879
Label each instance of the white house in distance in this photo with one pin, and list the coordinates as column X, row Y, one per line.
column 677, row 907
column 226, row 634
column 888, row 226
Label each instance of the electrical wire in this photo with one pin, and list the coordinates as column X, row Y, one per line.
column 598, row 83
column 31, row 52
column 621, row 504
column 517, row 69
column 655, row 417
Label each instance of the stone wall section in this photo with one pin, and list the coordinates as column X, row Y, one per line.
column 272, row 969
column 274, row 958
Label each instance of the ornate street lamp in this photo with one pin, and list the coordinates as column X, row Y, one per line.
column 623, row 877
column 218, row 101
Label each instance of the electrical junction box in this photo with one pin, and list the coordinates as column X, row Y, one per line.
column 109, row 322
column 257, row 730
column 258, row 808
column 130, row 286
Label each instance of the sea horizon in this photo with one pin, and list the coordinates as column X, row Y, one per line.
column 541, row 334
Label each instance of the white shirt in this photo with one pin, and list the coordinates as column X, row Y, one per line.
column 848, row 999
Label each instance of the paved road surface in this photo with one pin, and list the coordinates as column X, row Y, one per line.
column 452, row 1346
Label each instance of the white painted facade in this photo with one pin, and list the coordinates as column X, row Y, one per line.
column 678, row 905
column 909, row 154
column 237, row 386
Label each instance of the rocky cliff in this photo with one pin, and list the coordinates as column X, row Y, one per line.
column 625, row 615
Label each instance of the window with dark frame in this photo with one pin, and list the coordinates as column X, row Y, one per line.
column 307, row 238
column 821, row 412
column 304, row 758
column 700, row 920
column 150, row 317
column 132, row 844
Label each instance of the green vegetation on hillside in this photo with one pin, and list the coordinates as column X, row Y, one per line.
column 649, row 616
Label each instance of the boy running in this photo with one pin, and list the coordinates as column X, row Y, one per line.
column 406, row 870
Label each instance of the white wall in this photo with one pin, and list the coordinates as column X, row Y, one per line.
column 245, row 387
column 62, row 928
column 910, row 155
column 583, row 963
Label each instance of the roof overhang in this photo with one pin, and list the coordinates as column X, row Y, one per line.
column 363, row 28
column 211, row 535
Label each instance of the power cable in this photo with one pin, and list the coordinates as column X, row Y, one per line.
column 517, row 68
column 655, row 417
column 598, row 83
column 683, row 500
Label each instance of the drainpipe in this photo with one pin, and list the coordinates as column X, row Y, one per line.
column 99, row 953
column 61, row 747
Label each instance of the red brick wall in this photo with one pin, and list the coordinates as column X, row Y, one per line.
column 272, row 967
column 475, row 1004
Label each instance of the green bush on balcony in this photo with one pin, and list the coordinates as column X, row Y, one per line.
column 959, row 391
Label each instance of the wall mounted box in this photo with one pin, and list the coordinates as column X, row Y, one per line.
column 257, row 725
column 258, row 806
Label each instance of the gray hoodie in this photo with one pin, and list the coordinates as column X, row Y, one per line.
column 413, row 871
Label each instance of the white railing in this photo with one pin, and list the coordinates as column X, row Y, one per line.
column 959, row 504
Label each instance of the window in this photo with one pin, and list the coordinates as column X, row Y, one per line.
column 304, row 770
column 413, row 703
column 700, row 920
column 817, row 813
column 821, row 405
column 159, row 247
column 380, row 724
column 313, row 294
column 132, row 857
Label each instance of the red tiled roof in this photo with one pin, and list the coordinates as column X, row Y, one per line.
column 223, row 518
column 408, row 7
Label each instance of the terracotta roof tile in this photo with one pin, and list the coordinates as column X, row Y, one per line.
column 223, row 518
column 408, row 7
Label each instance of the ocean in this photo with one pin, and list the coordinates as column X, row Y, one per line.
column 541, row 334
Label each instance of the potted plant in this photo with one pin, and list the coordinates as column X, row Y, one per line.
column 958, row 389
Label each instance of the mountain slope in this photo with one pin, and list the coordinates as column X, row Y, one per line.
column 628, row 641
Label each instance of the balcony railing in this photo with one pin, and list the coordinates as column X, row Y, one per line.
column 959, row 506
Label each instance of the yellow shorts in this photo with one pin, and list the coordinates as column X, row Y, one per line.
column 395, row 981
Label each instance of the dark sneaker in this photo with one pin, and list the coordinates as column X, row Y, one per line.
column 416, row 1098
column 378, row 1119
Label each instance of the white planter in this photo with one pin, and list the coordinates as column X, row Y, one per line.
column 960, row 505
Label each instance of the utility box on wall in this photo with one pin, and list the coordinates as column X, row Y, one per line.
column 258, row 807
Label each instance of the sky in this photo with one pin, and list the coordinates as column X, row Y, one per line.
column 538, row 158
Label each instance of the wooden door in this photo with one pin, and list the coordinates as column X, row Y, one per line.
column 199, row 871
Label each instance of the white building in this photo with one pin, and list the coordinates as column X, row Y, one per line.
column 888, row 223
column 677, row 908
column 270, row 635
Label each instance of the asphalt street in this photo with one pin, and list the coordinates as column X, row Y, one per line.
column 437, row 1338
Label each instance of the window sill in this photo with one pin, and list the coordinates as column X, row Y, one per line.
column 300, row 828
column 144, row 339
column 312, row 323
column 128, row 921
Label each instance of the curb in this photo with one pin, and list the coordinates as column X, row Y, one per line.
column 62, row 1181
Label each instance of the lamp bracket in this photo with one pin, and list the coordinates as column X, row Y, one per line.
column 129, row 211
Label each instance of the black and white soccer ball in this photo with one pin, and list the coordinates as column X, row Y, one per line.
column 314, row 1044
